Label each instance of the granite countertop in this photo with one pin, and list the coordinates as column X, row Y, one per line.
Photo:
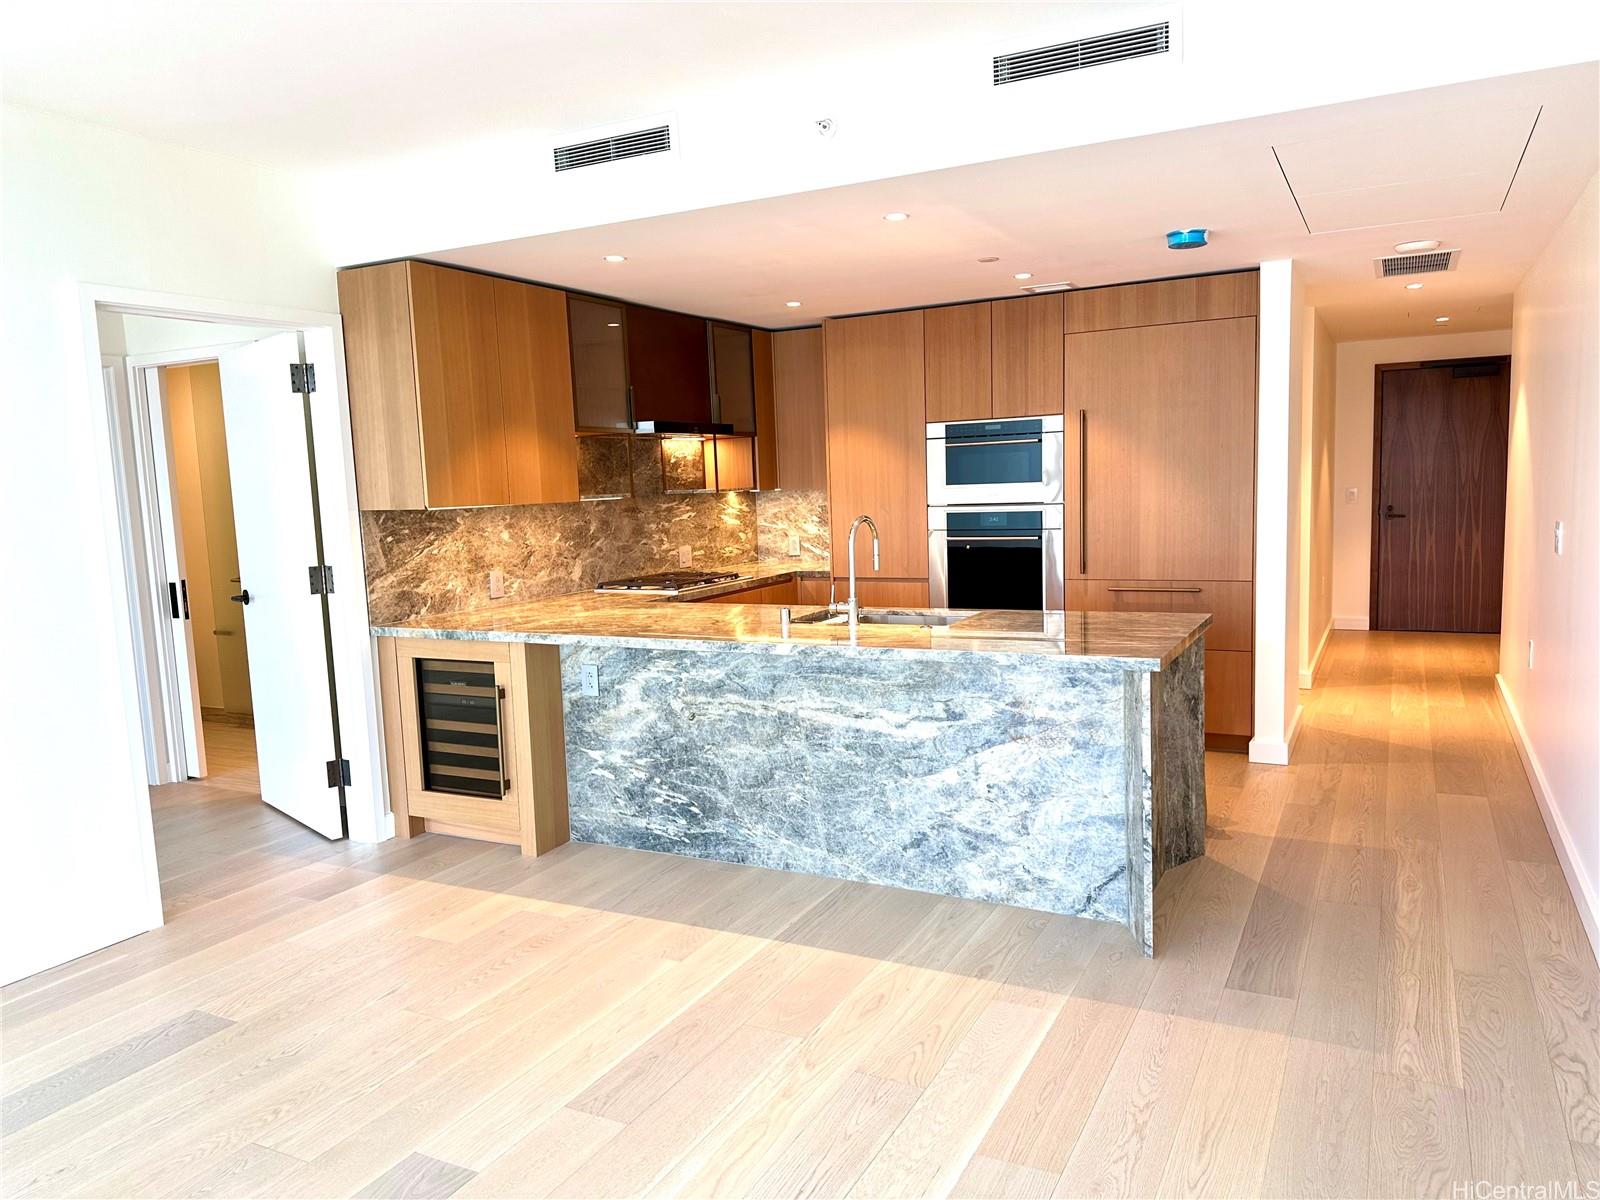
column 1127, row 641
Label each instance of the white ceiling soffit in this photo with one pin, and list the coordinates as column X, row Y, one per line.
column 1452, row 163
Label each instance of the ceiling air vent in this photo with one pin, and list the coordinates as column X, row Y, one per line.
column 1415, row 264
column 656, row 140
column 1085, row 52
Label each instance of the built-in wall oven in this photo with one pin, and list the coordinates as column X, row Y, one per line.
column 996, row 557
column 1018, row 461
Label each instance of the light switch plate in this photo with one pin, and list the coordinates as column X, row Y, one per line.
column 497, row 584
column 591, row 679
column 794, row 545
column 686, row 556
column 1350, row 495
column 1561, row 538
column 1530, row 654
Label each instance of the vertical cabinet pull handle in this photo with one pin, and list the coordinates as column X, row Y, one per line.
column 1083, row 491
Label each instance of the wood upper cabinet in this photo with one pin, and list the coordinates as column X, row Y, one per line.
column 956, row 358
column 1166, row 464
column 460, row 388
column 1165, row 302
column 536, row 393
column 799, row 415
column 1000, row 358
column 1029, row 378
column 877, row 438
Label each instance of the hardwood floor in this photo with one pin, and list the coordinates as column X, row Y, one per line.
column 1374, row 984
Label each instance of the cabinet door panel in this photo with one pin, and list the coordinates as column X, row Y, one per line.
column 873, row 592
column 669, row 368
column 1166, row 461
column 1163, row 301
column 1028, row 375
column 536, row 393
column 1230, row 604
column 800, row 416
column 733, row 375
column 375, row 303
column 877, row 438
column 956, row 340
column 1230, row 688
column 458, row 386
column 599, row 364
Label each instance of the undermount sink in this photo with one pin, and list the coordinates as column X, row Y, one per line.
column 883, row 616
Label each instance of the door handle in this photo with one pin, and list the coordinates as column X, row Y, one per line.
column 1389, row 513
column 1083, row 491
column 242, row 598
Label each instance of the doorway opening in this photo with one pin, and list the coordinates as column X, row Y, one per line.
column 1440, row 448
column 234, row 485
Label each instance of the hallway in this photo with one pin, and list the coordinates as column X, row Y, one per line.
column 1378, row 975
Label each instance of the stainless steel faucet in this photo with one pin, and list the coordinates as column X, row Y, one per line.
column 852, row 605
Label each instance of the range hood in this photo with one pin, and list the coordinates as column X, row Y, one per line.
column 683, row 428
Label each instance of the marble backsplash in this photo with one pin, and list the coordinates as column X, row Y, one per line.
column 439, row 561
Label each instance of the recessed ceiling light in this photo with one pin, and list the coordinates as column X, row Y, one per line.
column 1441, row 320
column 1411, row 287
column 1023, row 275
column 791, row 304
column 1413, row 247
column 897, row 216
column 613, row 258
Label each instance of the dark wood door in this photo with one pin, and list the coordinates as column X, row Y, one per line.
column 1440, row 491
column 668, row 366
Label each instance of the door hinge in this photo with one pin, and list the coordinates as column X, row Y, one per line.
column 338, row 772
column 303, row 378
column 321, row 580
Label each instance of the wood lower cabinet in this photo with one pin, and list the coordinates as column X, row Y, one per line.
column 877, row 438
column 884, row 593
column 1230, row 696
column 1230, row 603
column 787, row 592
column 474, row 740
column 460, row 388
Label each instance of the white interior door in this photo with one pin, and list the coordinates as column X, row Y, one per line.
column 275, row 521
column 187, row 746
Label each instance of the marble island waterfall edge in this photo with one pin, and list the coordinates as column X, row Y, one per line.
column 1027, row 781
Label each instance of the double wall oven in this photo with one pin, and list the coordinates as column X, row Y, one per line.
column 995, row 515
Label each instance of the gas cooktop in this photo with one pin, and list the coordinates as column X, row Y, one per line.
column 668, row 583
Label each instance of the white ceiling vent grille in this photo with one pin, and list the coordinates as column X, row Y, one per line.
column 656, row 140
column 1415, row 264
column 1094, row 51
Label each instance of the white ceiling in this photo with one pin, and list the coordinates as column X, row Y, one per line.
column 299, row 84
column 1097, row 214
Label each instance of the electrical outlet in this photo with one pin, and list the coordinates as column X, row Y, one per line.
column 1561, row 537
column 1530, row 654
column 794, row 545
column 1350, row 495
column 591, row 679
column 686, row 556
column 497, row 584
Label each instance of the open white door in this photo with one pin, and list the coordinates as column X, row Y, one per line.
column 271, row 461
column 187, row 749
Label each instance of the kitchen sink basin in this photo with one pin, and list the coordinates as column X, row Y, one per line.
column 883, row 616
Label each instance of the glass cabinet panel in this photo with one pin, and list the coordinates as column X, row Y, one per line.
column 734, row 367
column 599, row 364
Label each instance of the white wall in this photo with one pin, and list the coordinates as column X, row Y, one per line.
column 1283, row 395
column 1549, row 598
column 1352, row 456
column 80, row 204
column 1316, row 500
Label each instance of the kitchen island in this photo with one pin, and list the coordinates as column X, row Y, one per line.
column 1053, row 761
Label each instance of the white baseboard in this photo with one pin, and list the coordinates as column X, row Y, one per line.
column 1308, row 677
column 1350, row 623
column 1583, row 888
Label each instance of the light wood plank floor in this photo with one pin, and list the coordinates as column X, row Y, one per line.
column 1375, row 984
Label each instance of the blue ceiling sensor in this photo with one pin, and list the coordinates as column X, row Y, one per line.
column 1186, row 239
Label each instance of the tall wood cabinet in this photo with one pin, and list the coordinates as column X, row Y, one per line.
column 460, row 388
column 1160, row 403
column 800, row 416
column 876, row 440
